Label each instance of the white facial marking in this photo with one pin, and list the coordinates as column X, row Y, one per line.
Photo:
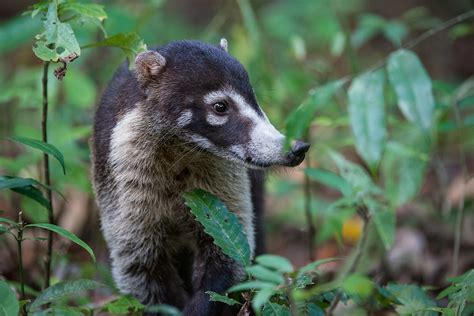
column 238, row 150
column 216, row 120
column 185, row 118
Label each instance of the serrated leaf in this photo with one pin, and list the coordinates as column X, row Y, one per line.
column 300, row 119
column 24, row 186
column 8, row 302
column 61, row 231
column 223, row 226
column 274, row 309
column 367, row 116
column 264, row 274
column 57, row 34
column 42, row 146
column 250, row 285
column 413, row 88
column 130, row 43
column 215, row 297
column 123, row 305
column 262, row 297
column 329, row 179
column 63, row 289
column 275, row 262
column 414, row 300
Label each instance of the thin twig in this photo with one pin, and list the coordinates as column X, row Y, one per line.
column 307, row 209
column 460, row 210
column 358, row 256
column 46, row 174
column 19, row 240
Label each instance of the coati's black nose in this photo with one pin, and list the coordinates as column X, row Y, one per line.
column 299, row 148
column 296, row 153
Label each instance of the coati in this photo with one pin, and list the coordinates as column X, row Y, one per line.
column 186, row 117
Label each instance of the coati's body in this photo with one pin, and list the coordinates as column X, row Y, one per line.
column 159, row 131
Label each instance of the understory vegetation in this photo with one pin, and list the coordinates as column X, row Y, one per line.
column 379, row 218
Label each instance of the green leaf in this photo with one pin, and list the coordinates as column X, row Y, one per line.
column 329, row 179
column 63, row 289
column 414, row 300
column 44, row 147
column 123, row 305
column 395, row 32
column 130, row 43
column 264, row 274
column 308, row 309
column 24, row 186
column 8, row 302
column 300, row 119
column 262, row 297
column 274, row 309
column 385, row 225
column 250, row 285
column 413, row 88
column 8, row 221
column 215, row 297
column 358, row 285
column 275, row 262
column 61, row 231
column 367, row 116
column 163, row 309
column 314, row 265
column 223, row 226
column 57, row 34
column 91, row 10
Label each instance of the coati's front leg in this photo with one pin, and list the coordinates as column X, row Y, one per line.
column 143, row 268
column 213, row 271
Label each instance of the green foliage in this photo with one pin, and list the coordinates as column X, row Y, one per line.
column 413, row 300
column 367, row 116
column 460, row 292
column 130, row 43
column 221, row 224
column 27, row 187
column 413, row 88
column 44, row 147
column 8, row 302
column 123, row 305
column 213, row 296
column 61, row 231
column 64, row 289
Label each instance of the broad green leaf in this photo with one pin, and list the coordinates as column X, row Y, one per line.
column 57, row 34
column 61, row 311
column 367, row 116
column 223, row 226
column 385, row 223
column 130, row 43
column 275, row 262
column 300, row 119
column 44, row 147
column 368, row 26
column 274, row 309
column 264, row 274
column 413, row 88
column 61, row 231
column 92, row 10
column 215, row 297
column 308, row 309
column 262, row 297
column 250, row 285
column 414, row 300
column 123, row 305
column 329, row 179
column 395, row 32
column 24, row 186
column 358, row 285
column 64, row 289
column 8, row 302
column 163, row 309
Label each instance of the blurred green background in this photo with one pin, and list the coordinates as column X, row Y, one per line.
column 289, row 48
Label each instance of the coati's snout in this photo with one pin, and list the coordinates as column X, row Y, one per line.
column 206, row 97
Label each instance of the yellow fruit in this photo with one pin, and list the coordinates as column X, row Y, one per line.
column 351, row 230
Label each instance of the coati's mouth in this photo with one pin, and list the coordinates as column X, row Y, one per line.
column 291, row 160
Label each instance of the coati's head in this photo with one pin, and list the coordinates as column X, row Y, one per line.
column 204, row 96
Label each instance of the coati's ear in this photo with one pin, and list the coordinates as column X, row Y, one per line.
column 148, row 65
column 223, row 44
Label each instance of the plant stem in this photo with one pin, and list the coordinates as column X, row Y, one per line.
column 46, row 174
column 19, row 240
column 358, row 256
column 307, row 209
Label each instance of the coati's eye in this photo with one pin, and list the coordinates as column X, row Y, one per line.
column 220, row 107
